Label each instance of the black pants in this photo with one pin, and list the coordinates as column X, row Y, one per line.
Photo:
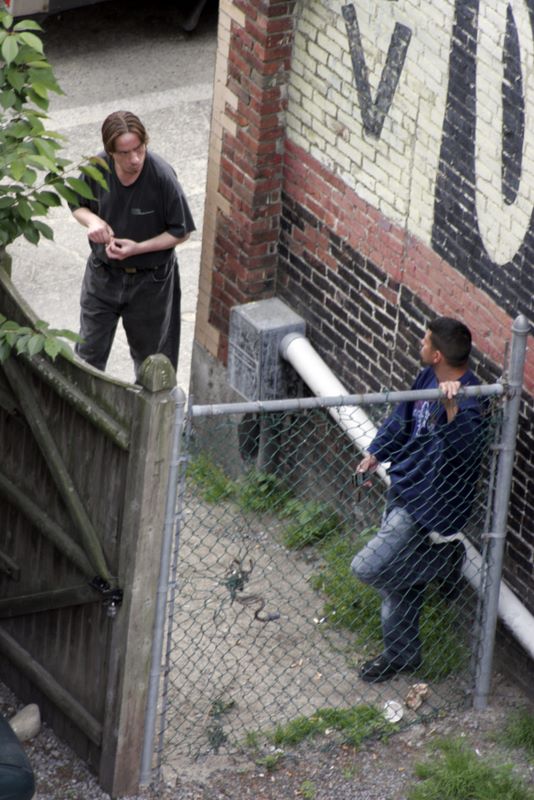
column 148, row 302
column 16, row 775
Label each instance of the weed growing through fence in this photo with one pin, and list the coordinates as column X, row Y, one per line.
column 262, row 492
column 455, row 772
column 215, row 732
column 356, row 724
column 272, row 761
column 519, row 732
column 210, row 479
column 308, row 523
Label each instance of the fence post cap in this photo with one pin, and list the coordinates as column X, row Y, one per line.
column 157, row 373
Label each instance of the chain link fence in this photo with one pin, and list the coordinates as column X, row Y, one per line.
column 267, row 625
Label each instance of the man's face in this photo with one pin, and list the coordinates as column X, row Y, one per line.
column 428, row 351
column 129, row 154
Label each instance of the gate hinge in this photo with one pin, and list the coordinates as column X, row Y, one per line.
column 111, row 596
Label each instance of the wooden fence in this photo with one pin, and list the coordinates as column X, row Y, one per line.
column 83, row 480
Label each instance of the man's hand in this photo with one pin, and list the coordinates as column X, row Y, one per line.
column 450, row 390
column 369, row 463
column 100, row 232
column 120, row 249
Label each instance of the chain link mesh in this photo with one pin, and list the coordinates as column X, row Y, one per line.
column 268, row 626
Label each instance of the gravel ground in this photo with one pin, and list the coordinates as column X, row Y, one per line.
column 322, row 771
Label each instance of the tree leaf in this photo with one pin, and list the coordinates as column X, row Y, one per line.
column 22, row 343
column 10, row 49
column 44, row 230
column 47, row 198
column 7, row 20
column 38, row 100
column 46, row 148
column 29, row 177
column 27, row 25
column 101, row 162
column 81, row 188
column 32, row 41
column 31, row 234
column 40, row 89
column 66, row 334
column 16, row 170
column 43, row 162
column 52, row 347
column 35, row 344
column 67, row 194
column 92, row 172
column 7, row 99
column 5, row 351
column 24, row 209
column 15, row 78
column 38, row 208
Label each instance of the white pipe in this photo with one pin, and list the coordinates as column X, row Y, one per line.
column 298, row 350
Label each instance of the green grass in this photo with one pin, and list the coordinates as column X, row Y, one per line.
column 308, row 790
column 262, row 492
column 455, row 772
column 349, row 603
column 356, row 723
column 308, row 523
column 210, row 479
column 519, row 732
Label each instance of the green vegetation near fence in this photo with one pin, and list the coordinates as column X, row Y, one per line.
column 348, row 603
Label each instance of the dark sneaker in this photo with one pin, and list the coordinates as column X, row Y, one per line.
column 450, row 586
column 382, row 668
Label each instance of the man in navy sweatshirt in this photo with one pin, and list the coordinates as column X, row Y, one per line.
column 434, row 448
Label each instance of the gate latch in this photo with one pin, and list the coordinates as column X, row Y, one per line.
column 111, row 596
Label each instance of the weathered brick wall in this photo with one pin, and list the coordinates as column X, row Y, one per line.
column 385, row 227
column 244, row 196
column 374, row 168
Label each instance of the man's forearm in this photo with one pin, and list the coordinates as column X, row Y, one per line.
column 164, row 241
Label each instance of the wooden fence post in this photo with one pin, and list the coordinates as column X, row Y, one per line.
column 139, row 561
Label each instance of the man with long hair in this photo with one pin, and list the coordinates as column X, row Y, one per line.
column 133, row 229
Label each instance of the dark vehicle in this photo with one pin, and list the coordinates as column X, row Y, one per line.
column 191, row 9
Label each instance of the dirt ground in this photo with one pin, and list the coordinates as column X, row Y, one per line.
column 320, row 770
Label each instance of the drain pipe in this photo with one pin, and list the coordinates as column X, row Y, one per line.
column 298, row 351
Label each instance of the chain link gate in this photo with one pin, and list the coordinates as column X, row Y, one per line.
column 266, row 624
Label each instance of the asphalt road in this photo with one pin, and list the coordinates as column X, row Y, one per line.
column 133, row 56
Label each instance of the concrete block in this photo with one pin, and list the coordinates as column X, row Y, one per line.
column 255, row 368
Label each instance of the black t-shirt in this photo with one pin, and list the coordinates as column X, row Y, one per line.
column 155, row 203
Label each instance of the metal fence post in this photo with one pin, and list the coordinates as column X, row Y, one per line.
column 161, row 600
column 497, row 537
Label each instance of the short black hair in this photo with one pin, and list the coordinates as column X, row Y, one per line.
column 452, row 338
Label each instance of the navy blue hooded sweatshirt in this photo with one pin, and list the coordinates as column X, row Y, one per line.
column 435, row 464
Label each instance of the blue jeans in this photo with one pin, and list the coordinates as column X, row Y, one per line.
column 148, row 301
column 399, row 562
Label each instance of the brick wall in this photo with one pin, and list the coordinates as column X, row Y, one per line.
column 372, row 166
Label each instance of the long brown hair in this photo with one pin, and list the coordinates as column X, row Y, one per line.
column 118, row 123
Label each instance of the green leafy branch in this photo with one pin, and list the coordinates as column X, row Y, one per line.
column 33, row 177
column 32, row 341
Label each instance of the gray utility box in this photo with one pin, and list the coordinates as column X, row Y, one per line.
column 255, row 366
